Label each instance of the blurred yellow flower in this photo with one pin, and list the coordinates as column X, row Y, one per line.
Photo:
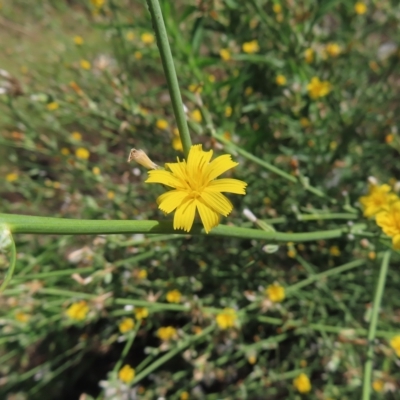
column 147, row 38
column 76, row 136
column 227, row 318
column 82, row 153
column 302, row 383
column 197, row 189
column 304, row 122
column 126, row 325
column 130, row 36
column 78, row 40
column 22, row 317
column 228, row 111
column 248, row 91
column 225, row 54
column 85, row 64
column 374, row 66
column 277, row 8
column 334, row 251
column 378, row 385
column 78, row 310
column 360, row 8
column 96, row 170
column 253, row 23
column 333, row 49
column 291, row 253
column 317, row 88
column 280, row 80
column 65, row 151
column 389, row 138
column 138, row 55
column 141, row 312
column 126, row 374
column 279, row 17
column 166, row 333
column 372, row 255
column 11, row 177
column 142, row 274
column 395, row 345
column 52, row 106
column 251, row 47
column 184, row 396
column 275, row 293
column 162, row 124
column 177, row 143
column 195, row 88
column 252, row 359
column 98, row 3
column 196, row 115
column 174, row 296
column 110, row 195
column 309, row 55
column 389, row 221
column 378, row 199
column 211, row 78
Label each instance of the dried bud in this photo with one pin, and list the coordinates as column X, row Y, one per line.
column 141, row 158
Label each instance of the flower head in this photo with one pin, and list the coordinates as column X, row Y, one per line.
column 377, row 199
column 275, row 293
column 162, row 124
column 280, row 80
column 225, row 54
column 360, row 8
column 389, row 221
column 52, row 106
column 22, row 317
column 226, row 319
column 147, row 38
column 141, row 312
column 309, row 55
column 333, row 49
column 195, row 188
column 85, row 64
column 166, row 333
column 174, row 296
column 317, row 88
column 126, row 325
column 11, row 177
column 251, row 47
column 78, row 40
column 378, row 385
column 395, row 345
column 302, row 383
column 126, row 374
column 82, row 153
column 78, row 310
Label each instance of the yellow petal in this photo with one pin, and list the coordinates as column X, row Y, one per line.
column 184, row 215
column 168, row 201
column 209, row 217
column 218, row 166
column 396, row 242
column 227, row 185
column 217, row 201
column 178, row 169
column 164, row 177
column 197, row 161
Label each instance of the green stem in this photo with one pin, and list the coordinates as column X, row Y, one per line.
column 61, row 226
column 127, row 346
column 170, row 73
column 13, row 261
column 312, row 217
column 366, row 394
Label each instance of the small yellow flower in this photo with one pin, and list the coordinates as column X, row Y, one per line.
column 11, row 177
column 377, row 199
column 85, row 64
column 96, row 170
column 378, row 385
column 78, row 310
column 195, row 187
column 52, row 106
column 78, row 40
column 279, row 17
column 227, row 318
column 141, row 312
column 303, row 363
column 126, row 325
column 138, row 55
column 110, row 195
column 372, row 255
column 309, row 55
column 22, row 317
column 389, row 138
column 225, row 54
column 82, row 153
column 184, row 396
column 374, row 66
column 305, row 122
column 277, row 8
column 389, row 221
column 253, row 23
column 360, row 8
column 166, row 333
column 142, row 274
column 333, row 145
column 130, row 36
column 211, row 78
column 275, row 293
column 196, row 115
column 251, row 47
column 333, row 49
column 317, row 88
column 302, row 383
column 98, row 3
column 126, row 374
column 177, row 143
column 280, row 80
column 65, row 151
column 291, row 253
column 195, row 88
column 228, row 111
column 248, row 91
column 147, row 38
column 76, row 136
column 252, row 359
column 334, row 251
column 395, row 345
column 174, row 296
column 162, row 124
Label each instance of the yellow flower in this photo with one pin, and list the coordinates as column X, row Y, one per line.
column 280, row 80
column 177, row 143
column 277, row 8
column 98, row 3
column 248, row 91
column 174, row 296
column 78, row 40
column 65, row 151
column 195, row 187
column 138, row 55
column 334, row 251
column 110, row 195
column 196, row 115
column 291, row 253
column 141, row 312
column 126, row 374
column 184, row 396
column 309, row 55
column 389, row 221
column 317, row 88
column 372, row 255
column 211, row 78
column 377, row 385
column 360, row 8
column 76, row 136
column 251, row 47
column 275, row 293
column 228, row 111
column 147, row 38
column 226, row 319
column 96, row 170
column 395, row 345
column 22, row 317
column 377, row 199
column 225, row 54
column 11, row 177
column 162, row 124
column 142, row 274
column 389, row 138
column 126, row 325
column 166, row 333
column 195, row 88
column 52, row 106
column 78, row 310
column 302, row 383
column 304, row 122
column 130, row 36
column 82, row 153
column 85, row 64
column 333, row 49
